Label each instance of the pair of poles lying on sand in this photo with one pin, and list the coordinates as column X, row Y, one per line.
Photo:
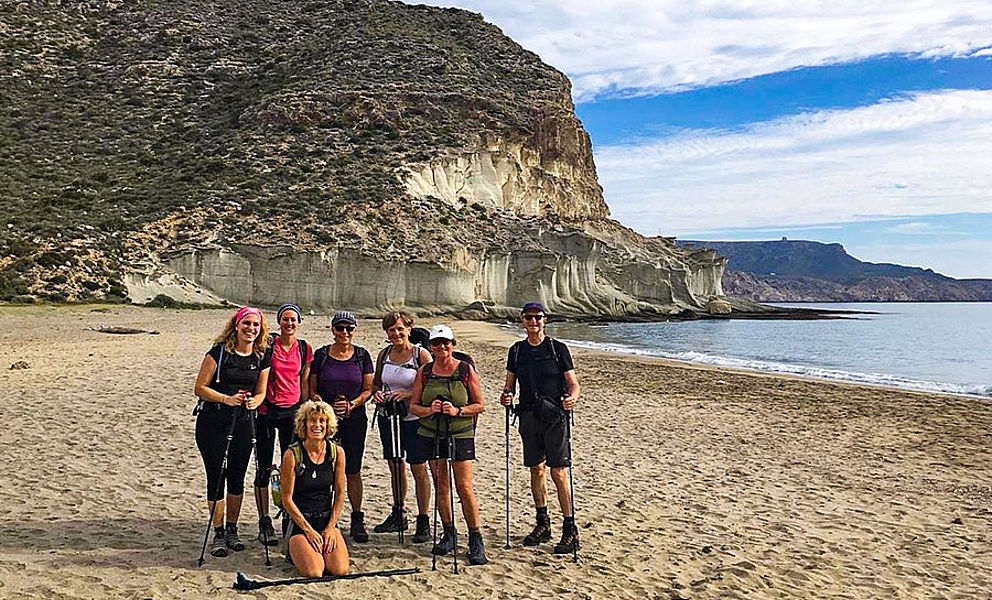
column 244, row 584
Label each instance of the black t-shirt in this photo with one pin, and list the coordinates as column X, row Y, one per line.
column 536, row 365
column 312, row 486
column 237, row 372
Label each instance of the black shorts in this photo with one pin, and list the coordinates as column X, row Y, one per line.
column 408, row 433
column 351, row 438
column 422, row 449
column 318, row 521
column 543, row 443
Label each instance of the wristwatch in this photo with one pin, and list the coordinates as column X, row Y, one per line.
column 460, row 411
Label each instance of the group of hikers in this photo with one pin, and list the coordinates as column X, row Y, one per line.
column 253, row 387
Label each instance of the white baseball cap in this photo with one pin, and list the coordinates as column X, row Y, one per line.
column 441, row 332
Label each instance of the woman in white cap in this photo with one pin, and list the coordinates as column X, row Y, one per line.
column 447, row 397
column 341, row 375
column 288, row 387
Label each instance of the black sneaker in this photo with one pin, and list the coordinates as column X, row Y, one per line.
column 569, row 538
column 358, row 531
column 423, row 532
column 266, row 532
column 541, row 532
column 231, row 539
column 396, row 521
column 218, row 547
column 448, row 540
column 476, row 549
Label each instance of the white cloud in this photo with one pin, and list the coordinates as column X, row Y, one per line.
column 924, row 155
column 917, row 228
column 648, row 46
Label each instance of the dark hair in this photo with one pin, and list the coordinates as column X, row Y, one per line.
column 397, row 315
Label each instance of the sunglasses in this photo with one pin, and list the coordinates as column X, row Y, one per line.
column 532, row 317
column 348, row 328
column 440, row 342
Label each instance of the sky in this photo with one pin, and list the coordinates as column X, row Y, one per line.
column 864, row 123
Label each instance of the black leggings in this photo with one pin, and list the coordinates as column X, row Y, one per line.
column 275, row 419
column 212, row 425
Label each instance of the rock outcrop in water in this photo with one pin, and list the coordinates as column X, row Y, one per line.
column 358, row 153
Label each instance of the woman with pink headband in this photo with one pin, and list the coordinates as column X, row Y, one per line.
column 231, row 382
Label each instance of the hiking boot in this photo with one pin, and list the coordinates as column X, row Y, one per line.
column 476, row 549
column 231, row 539
column 266, row 532
column 569, row 538
column 541, row 532
column 396, row 521
column 358, row 531
column 448, row 540
column 218, row 547
column 423, row 532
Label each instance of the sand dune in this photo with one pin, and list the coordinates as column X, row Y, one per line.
column 691, row 482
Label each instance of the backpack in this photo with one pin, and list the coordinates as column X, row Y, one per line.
column 420, row 337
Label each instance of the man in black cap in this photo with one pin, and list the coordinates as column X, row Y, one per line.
column 548, row 391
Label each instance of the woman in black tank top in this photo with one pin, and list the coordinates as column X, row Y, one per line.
column 312, row 483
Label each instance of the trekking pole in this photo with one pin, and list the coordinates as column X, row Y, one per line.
column 571, row 486
column 243, row 584
column 220, row 484
column 506, row 453
column 437, row 443
column 398, row 470
column 258, row 495
column 451, row 484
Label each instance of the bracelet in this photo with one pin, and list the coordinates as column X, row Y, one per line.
column 508, row 391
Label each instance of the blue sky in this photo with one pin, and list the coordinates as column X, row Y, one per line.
column 868, row 124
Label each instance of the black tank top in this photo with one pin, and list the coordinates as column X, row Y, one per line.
column 312, row 489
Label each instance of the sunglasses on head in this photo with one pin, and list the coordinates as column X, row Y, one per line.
column 439, row 342
column 532, row 317
column 348, row 328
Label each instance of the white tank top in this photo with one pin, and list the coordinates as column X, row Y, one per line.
column 399, row 377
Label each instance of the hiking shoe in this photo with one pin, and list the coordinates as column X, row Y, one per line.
column 266, row 532
column 423, row 532
column 476, row 549
column 541, row 532
column 396, row 521
column 448, row 540
column 569, row 539
column 358, row 531
column 218, row 547
column 231, row 539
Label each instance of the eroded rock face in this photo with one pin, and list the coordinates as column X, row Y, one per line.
column 549, row 173
column 569, row 277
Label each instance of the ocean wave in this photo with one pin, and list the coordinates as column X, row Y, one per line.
column 793, row 369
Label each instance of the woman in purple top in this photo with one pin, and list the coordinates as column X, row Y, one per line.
column 341, row 375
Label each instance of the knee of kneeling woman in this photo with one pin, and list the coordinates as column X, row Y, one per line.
column 310, row 571
column 337, row 569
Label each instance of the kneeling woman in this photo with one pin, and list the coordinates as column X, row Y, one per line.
column 447, row 398
column 312, row 484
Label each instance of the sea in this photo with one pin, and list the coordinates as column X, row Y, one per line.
column 930, row 347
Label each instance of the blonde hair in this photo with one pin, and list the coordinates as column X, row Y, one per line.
column 229, row 336
column 311, row 407
column 397, row 315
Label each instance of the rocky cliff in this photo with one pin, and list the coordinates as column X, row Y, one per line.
column 806, row 271
column 350, row 153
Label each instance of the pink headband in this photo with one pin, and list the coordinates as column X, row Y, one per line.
column 244, row 311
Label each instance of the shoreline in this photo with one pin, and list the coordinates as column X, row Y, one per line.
column 676, row 363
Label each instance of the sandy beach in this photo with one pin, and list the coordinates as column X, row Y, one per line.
column 690, row 482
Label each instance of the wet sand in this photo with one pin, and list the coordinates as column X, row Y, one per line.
column 691, row 482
